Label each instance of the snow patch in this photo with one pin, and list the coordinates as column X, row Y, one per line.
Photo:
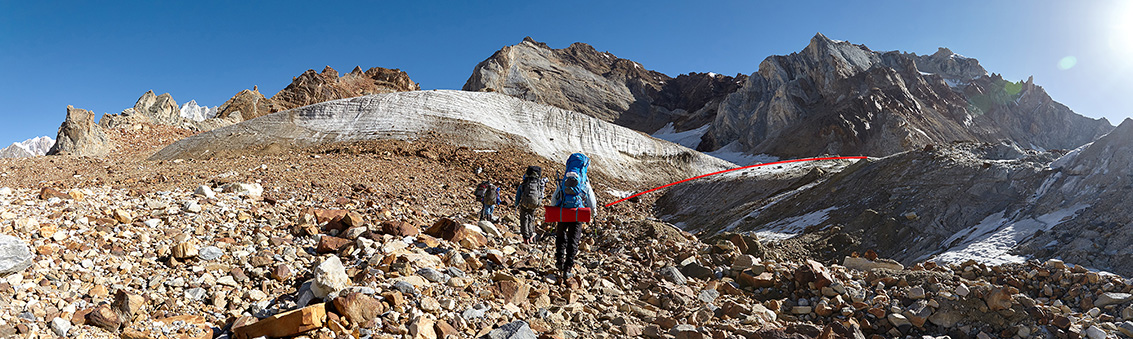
column 732, row 153
column 789, row 227
column 619, row 194
column 689, row 138
column 992, row 240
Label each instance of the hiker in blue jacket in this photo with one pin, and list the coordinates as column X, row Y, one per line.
column 489, row 199
column 574, row 191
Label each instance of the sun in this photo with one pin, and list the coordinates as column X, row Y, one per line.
column 1121, row 31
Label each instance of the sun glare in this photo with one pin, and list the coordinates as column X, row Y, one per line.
column 1121, row 31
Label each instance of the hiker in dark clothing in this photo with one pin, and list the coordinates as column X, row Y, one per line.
column 489, row 197
column 574, row 191
column 528, row 198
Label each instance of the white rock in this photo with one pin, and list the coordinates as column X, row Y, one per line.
column 204, row 191
column 15, row 255
column 60, row 326
column 1093, row 332
column 863, row 264
column 256, row 295
column 330, row 277
column 245, row 190
column 152, row 223
column 962, row 290
column 489, row 229
column 5, row 191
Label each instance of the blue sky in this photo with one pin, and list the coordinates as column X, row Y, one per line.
column 102, row 56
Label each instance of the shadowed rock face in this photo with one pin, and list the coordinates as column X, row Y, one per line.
column 79, row 135
column 599, row 84
column 312, row 87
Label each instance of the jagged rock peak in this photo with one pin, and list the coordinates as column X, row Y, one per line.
column 79, row 135
column 582, row 79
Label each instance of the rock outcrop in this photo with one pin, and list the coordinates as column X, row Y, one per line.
column 473, row 119
column 599, row 84
column 79, row 135
column 835, row 97
column 312, row 88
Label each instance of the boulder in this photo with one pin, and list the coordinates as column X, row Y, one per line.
column 15, row 255
column 285, row 324
column 330, row 277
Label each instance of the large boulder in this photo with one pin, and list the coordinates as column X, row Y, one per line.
column 14, row 255
column 79, row 135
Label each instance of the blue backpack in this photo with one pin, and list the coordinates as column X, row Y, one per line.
column 574, row 182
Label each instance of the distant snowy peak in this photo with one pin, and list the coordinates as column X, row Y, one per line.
column 195, row 112
column 28, row 148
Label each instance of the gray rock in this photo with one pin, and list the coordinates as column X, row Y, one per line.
column 433, row 275
column 673, row 275
column 195, row 293
column 518, row 329
column 210, row 253
column 405, row 287
column 743, row 262
column 708, row 296
column 1112, row 298
column 15, row 256
column 330, row 277
column 1094, row 332
column 1126, row 328
column 456, row 272
column 475, row 312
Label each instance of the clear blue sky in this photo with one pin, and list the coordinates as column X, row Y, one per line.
column 102, row 56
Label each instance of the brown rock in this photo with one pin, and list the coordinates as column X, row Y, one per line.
column 765, row 279
column 399, row 229
column 123, row 216
column 285, row 324
column 513, row 292
column 422, row 328
column 1061, row 321
column 445, row 330
column 359, row 308
column 1000, row 298
column 128, row 304
column 184, row 250
column 98, row 291
column 496, row 258
column 48, row 193
column 444, row 228
column 353, row 219
column 281, row 272
column 395, row 299
column 329, row 244
column 103, row 316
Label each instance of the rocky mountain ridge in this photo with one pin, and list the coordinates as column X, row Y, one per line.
column 599, row 84
column 833, row 97
column 151, row 109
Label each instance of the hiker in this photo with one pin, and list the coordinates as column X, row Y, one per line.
column 489, row 196
column 574, row 191
column 528, row 197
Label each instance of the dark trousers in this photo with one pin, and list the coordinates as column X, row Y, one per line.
column 567, row 235
column 527, row 223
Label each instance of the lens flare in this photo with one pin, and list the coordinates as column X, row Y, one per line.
column 1067, row 62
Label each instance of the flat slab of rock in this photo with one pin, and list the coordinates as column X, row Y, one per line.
column 285, row 324
column 15, row 256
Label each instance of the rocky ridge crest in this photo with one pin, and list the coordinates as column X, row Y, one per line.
column 599, row 84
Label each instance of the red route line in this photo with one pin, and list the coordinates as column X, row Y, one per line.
column 734, row 169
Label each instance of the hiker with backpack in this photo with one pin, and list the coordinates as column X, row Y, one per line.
column 574, row 204
column 528, row 197
column 489, row 196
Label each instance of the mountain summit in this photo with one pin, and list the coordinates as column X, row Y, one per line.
column 833, row 97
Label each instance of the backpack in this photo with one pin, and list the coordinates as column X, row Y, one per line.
column 574, row 182
column 481, row 190
column 491, row 195
column 532, row 186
